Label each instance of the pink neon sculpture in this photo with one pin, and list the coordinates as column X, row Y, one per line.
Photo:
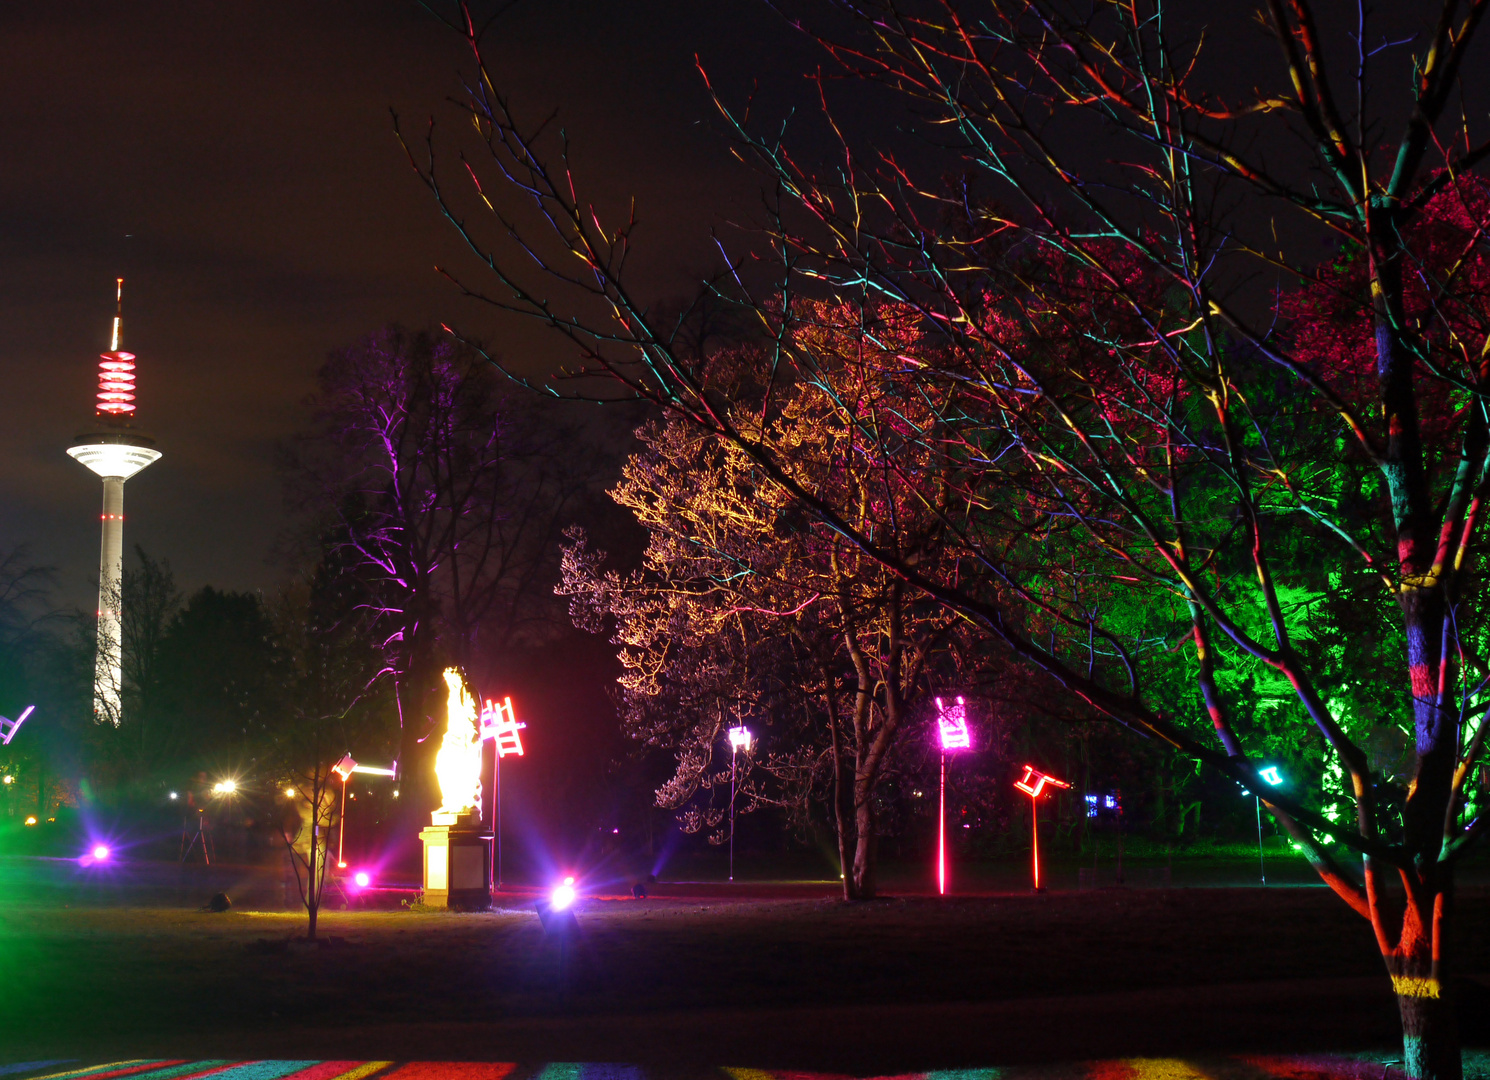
column 8, row 728
column 500, row 724
column 1033, row 783
column 951, row 725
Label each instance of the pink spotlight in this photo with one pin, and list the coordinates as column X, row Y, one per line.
column 951, row 725
column 362, row 878
column 100, row 852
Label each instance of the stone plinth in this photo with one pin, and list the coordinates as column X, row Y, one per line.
column 457, row 863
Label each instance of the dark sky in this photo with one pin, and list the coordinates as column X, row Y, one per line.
column 236, row 164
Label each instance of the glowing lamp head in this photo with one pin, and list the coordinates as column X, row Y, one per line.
column 225, row 787
column 563, row 894
column 740, row 738
column 951, row 722
column 9, row 779
column 1271, row 775
column 100, row 852
column 173, row 796
column 362, row 879
column 31, row 820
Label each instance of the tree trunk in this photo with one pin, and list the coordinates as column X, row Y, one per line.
column 864, row 847
column 842, row 812
column 1430, row 1030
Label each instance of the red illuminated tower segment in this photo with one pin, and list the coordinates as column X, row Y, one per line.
column 114, row 452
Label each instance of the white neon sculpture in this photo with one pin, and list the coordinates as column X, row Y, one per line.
column 458, row 762
column 500, row 724
column 8, row 727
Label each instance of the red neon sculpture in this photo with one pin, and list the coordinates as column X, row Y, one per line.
column 1033, row 784
column 499, row 723
column 951, row 725
column 116, row 370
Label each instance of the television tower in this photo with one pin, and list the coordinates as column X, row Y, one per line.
column 115, row 452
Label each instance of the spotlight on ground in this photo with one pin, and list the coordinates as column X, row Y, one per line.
column 556, row 913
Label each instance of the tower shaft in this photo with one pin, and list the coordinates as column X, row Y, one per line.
column 108, row 674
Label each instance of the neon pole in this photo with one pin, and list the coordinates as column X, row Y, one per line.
column 1035, row 827
column 341, row 828
column 941, row 835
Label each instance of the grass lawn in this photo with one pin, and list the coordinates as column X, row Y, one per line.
column 913, row 983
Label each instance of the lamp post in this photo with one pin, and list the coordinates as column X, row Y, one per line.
column 1033, row 784
column 951, row 724
column 739, row 739
column 1273, row 777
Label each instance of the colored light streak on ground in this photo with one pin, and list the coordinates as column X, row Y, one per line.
column 952, row 725
column 458, row 762
column 8, row 728
column 500, row 723
column 1255, row 1067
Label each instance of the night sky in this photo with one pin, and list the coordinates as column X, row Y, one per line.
column 236, row 164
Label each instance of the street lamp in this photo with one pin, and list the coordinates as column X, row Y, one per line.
column 344, row 769
column 1033, row 784
column 951, row 724
column 1273, row 778
column 739, row 739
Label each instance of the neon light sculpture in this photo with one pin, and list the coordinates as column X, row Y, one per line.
column 500, row 724
column 951, row 724
column 458, row 762
column 1033, row 784
column 8, row 728
column 739, row 739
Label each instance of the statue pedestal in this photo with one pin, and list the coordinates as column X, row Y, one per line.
column 457, row 863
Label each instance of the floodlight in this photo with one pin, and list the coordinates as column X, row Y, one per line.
column 9, row 779
column 340, row 865
column 225, row 787
column 362, row 879
column 31, row 820
column 563, row 895
column 100, row 852
column 739, row 738
column 289, row 793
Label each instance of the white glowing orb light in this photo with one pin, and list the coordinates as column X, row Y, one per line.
column 563, row 895
column 362, row 878
column 225, row 787
column 100, row 852
column 458, row 763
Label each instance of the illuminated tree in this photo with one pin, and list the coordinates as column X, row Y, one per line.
column 1147, row 471
column 745, row 611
